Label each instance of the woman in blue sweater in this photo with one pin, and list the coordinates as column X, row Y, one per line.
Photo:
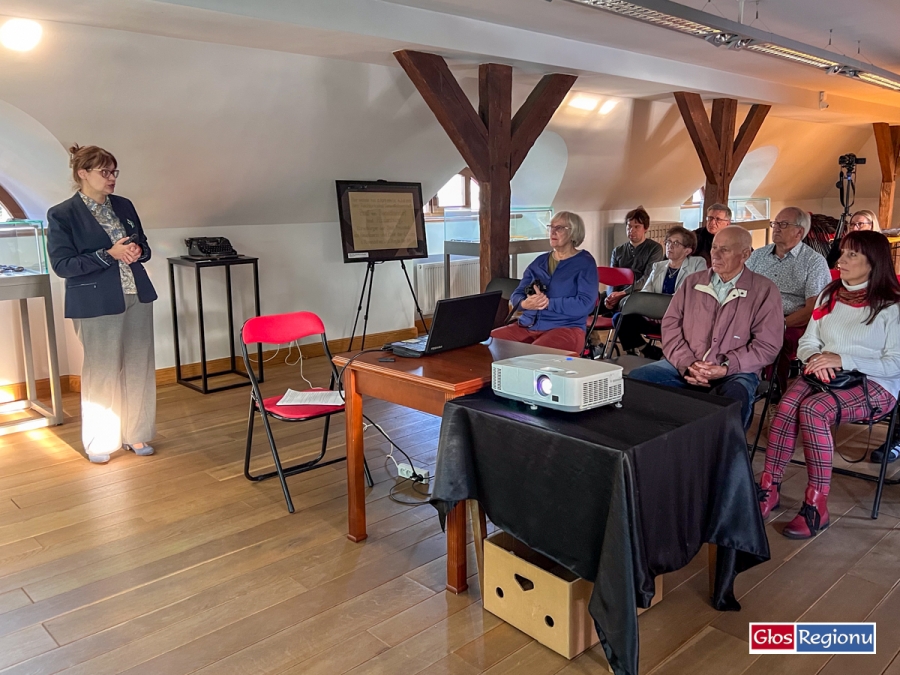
column 558, row 291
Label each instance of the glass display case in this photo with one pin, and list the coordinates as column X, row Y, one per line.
column 23, row 275
column 23, row 248
column 527, row 234
column 525, row 224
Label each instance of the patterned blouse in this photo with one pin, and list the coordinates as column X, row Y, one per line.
column 108, row 220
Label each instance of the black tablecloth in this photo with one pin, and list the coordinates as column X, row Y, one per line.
column 616, row 495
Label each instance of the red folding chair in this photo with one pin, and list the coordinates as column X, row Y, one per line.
column 282, row 329
column 610, row 276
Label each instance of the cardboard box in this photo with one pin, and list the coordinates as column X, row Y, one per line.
column 536, row 595
column 540, row 597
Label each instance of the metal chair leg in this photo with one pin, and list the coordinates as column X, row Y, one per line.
column 762, row 421
column 249, row 441
column 876, row 505
column 278, row 469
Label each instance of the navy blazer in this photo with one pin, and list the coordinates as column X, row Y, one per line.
column 93, row 283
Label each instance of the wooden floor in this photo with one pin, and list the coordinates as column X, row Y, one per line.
column 175, row 564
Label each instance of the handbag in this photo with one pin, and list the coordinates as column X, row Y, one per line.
column 845, row 379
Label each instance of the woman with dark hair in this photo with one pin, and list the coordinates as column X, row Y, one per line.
column 96, row 243
column 855, row 326
column 638, row 254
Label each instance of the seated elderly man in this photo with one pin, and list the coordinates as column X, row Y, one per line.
column 723, row 327
column 800, row 274
column 718, row 216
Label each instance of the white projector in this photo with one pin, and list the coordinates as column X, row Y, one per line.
column 560, row 382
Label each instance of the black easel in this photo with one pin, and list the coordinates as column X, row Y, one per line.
column 368, row 281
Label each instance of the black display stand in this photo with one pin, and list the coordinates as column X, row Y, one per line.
column 205, row 375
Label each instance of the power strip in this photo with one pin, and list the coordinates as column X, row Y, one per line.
column 406, row 471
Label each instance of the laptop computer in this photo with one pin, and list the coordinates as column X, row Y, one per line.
column 457, row 322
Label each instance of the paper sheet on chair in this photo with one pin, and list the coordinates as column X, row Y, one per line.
column 292, row 397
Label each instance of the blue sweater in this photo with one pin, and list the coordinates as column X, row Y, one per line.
column 572, row 290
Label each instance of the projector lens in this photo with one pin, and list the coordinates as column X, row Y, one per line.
column 544, row 385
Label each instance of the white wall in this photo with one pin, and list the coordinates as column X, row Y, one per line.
column 246, row 143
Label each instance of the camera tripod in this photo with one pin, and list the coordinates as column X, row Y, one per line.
column 847, row 188
column 368, row 282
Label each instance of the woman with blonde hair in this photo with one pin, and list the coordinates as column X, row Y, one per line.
column 558, row 291
column 864, row 220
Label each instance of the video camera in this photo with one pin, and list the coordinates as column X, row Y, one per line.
column 849, row 161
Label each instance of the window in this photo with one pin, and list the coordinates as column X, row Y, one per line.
column 9, row 207
column 460, row 192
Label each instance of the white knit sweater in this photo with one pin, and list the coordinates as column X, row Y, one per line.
column 873, row 349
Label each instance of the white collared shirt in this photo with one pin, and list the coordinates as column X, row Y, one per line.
column 723, row 288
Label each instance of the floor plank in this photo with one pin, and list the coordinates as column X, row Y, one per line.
column 175, row 564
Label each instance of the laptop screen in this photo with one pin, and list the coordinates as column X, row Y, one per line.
column 460, row 322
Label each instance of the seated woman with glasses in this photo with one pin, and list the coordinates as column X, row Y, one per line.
column 665, row 277
column 855, row 326
column 558, row 291
column 867, row 220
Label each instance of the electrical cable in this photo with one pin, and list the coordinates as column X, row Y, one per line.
column 392, row 495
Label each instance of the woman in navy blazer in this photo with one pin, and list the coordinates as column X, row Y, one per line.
column 96, row 243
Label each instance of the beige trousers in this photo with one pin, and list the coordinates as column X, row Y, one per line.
column 118, row 378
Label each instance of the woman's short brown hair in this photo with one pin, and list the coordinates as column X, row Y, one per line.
column 89, row 157
column 639, row 215
column 688, row 238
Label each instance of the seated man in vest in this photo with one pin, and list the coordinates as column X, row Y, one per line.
column 723, row 327
column 718, row 216
column 800, row 274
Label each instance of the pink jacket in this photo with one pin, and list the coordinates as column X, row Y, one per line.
column 747, row 330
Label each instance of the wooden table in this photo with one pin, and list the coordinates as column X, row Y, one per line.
column 424, row 384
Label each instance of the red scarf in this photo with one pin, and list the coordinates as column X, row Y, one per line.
column 857, row 298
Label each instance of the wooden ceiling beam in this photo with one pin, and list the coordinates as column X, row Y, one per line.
column 450, row 105
column 700, row 130
column 491, row 141
column 532, row 118
column 747, row 134
column 887, row 141
column 720, row 153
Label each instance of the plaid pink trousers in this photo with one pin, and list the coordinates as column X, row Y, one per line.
column 814, row 414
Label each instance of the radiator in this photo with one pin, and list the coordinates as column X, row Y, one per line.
column 464, row 280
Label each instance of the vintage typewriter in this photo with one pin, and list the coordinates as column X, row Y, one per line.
column 209, row 248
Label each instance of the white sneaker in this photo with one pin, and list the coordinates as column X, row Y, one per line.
column 98, row 459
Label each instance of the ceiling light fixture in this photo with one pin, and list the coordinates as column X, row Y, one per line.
column 723, row 32
column 608, row 106
column 583, row 103
column 20, row 35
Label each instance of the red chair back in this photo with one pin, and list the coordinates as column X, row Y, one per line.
column 835, row 274
column 281, row 328
column 615, row 276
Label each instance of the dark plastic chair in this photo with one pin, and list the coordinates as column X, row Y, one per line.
column 609, row 276
column 650, row 305
column 505, row 285
column 282, row 329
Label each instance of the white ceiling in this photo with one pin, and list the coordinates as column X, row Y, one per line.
column 613, row 55
column 873, row 22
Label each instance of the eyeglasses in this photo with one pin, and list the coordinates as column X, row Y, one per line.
column 860, row 224
column 557, row 228
column 106, row 173
column 714, row 219
column 674, row 242
column 783, row 224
